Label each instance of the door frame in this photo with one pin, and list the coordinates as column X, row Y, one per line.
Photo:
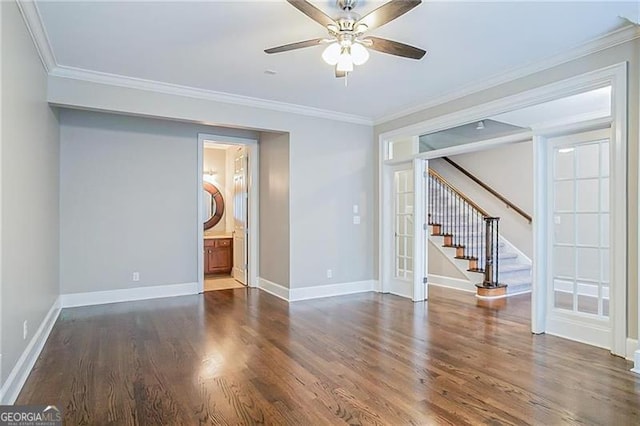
column 253, row 186
column 614, row 75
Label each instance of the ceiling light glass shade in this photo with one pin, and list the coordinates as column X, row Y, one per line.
column 331, row 54
column 359, row 53
column 345, row 62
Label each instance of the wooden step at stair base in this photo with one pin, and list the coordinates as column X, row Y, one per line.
column 491, row 292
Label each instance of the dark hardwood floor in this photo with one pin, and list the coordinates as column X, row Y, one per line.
column 244, row 357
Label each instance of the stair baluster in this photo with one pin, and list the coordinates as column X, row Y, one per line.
column 467, row 228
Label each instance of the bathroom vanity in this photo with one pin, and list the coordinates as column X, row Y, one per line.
column 218, row 254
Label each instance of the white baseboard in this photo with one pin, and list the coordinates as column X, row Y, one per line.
column 633, row 354
column 636, row 362
column 448, row 282
column 274, row 289
column 127, row 294
column 340, row 289
column 316, row 292
column 22, row 369
column 402, row 289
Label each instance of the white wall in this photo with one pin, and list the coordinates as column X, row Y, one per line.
column 29, row 190
column 274, row 236
column 331, row 170
column 128, row 197
column 509, row 170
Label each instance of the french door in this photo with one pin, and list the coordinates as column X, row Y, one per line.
column 579, row 255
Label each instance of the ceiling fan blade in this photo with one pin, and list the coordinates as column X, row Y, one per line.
column 313, row 12
column 293, row 46
column 387, row 12
column 394, row 48
column 340, row 74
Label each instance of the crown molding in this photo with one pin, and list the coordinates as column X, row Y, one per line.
column 623, row 35
column 33, row 21
column 192, row 92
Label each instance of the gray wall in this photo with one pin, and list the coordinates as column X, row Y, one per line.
column 128, row 200
column 507, row 169
column 274, row 208
column 626, row 52
column 330, row 173
column 29, row 190
column 332, row 168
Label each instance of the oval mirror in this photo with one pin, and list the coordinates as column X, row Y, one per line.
column 213, row 205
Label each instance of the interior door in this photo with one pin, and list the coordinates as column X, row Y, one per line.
column 399, row 231
column 579, row 254
column 240, row 212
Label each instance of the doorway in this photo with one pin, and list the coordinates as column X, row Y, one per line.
column 227, row 213
column 606, row 292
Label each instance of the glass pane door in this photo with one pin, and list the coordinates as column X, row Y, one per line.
column 580, row 221
column 403, row 209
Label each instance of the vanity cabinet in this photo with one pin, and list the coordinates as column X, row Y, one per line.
column 218, row 255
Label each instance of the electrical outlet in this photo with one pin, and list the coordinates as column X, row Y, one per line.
column 136, row 276
column 25, row 329
column 329, row 273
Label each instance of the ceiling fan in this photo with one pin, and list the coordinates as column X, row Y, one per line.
column 348, row 43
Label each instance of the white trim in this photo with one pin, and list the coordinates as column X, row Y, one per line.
column 253, row 189
column 420, row 245
column 636, row 362
column 475, row 146
column 454, row 283
column 340, row 289
column 571, row 329
column 80, row 74
column 584, row 289
column 127, row 294
column 632, row 347
column 33, row 21
column 400, row 288
column 540, row 243
column 20, row 372
column 274, row 289
column 199, row 215
column 612, row 39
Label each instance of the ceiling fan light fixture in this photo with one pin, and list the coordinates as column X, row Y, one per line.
column 331, row 54
column 345, row 61
column 359, row 53
column 361, row 28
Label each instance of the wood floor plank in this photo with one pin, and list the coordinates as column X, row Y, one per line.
column 244, row 357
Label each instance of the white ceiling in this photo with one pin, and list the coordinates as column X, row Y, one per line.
column 219, row 46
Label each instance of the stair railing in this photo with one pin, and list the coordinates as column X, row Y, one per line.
column 465, row 226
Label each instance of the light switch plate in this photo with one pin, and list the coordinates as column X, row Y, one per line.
column 356, row 220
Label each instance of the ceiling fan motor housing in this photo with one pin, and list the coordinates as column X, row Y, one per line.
column 347, row 4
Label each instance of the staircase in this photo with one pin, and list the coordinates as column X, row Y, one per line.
column 458, row 223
